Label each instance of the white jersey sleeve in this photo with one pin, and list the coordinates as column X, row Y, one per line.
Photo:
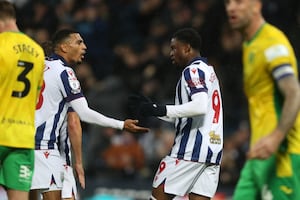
column 197, row 106
column 86, row 114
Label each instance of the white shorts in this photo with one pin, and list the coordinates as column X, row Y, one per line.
column 182, row 177
column 48, row 170
column 69, row 184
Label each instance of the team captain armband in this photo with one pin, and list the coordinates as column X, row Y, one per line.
column 282, row 71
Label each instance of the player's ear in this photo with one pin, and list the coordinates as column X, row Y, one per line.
column 258, row 5
column 63, row 47
column 187, row 48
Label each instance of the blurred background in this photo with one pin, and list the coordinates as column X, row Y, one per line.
column 128, row 53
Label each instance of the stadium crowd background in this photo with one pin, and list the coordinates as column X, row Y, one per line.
column 128, row 53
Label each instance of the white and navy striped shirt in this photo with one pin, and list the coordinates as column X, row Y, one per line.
column 199, row 138
column 60, row 86
column 64, row 141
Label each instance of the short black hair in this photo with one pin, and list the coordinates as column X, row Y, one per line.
column 60, row 35
column 189, row 36
column 7, row 10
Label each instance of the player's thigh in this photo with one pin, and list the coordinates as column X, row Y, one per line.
column 17, row 169
column 193, row 196
column 159, row 193
column 52, row 195
column 33, row 195
column 17, row 195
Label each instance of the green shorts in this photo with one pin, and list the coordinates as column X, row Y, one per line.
column 16, row 168
column 277, row 178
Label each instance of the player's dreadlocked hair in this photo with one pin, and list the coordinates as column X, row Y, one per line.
column 189, row 36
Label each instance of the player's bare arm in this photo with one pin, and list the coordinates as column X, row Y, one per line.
column 75, row 134
column 264, row 148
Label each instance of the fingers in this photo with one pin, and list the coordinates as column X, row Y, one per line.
column 80, row 174
column 258, row 152
column 131, row 126
column 82, row 181
column 140, row 129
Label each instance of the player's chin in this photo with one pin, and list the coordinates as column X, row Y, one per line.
column 79, row 61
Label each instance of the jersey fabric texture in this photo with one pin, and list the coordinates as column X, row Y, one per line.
column 269, row 57
column 199, row 138
column 60, row 86
column 64, row 141
column 267, row 53
column 22, row 64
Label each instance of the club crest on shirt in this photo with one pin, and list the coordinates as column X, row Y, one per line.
column 75, row 86
column 73, row 82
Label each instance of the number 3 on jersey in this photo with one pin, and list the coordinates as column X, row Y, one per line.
column 22, row 78
column 41, row 97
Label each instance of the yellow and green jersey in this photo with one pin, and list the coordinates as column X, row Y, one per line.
column 268, row 56
column 21, row 76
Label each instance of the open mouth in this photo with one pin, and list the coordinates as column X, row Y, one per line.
column 232, row 19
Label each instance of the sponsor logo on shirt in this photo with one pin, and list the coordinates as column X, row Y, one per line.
column 214, row 138
column 196, row 82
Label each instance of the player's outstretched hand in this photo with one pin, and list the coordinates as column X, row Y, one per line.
column 131, row 126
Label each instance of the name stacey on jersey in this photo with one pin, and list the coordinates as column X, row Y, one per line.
column 25, row 48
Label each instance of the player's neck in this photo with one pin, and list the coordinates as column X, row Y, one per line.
column 252, row 29
column 9, row 25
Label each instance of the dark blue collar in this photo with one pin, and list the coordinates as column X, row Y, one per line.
column 55, row 56
column 203, row 59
